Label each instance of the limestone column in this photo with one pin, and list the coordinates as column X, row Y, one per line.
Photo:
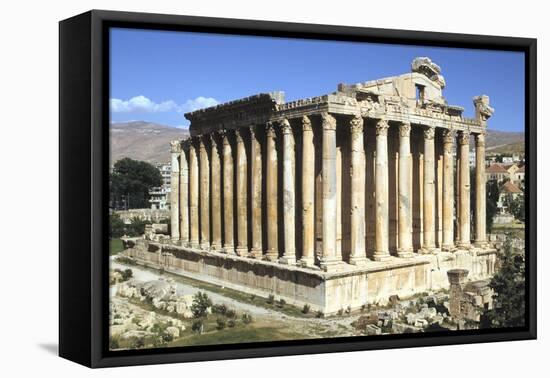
column 289, row 255
column 184, row 195
column 328, row 258
column 481, row 230
column 242, row 227
column 216, row 195
column 428, row 213
column 308, row 194
column 448, row 191
column 405, row 222
column 381, row 251
column 228, row 245
column 175, row 148
column 193, row 195
column 256, row 194
column 272, row 252
column 204, row 194
column 358, row 253
column 464, row 143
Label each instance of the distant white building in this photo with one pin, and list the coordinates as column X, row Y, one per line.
column 159, row 197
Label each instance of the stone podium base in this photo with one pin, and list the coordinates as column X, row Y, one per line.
column 349, row 286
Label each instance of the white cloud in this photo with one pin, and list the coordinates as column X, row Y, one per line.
column 198, row 103
column 142, row 104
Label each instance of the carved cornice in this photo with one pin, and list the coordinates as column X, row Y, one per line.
column 175, row 146
column 356, row 124
column 405, row 130
column 329, row 122
column 464, row 138
column 429, row 133
column 306, row 124
column 382, row 128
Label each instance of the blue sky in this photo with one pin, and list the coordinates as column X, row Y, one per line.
column 157, row 76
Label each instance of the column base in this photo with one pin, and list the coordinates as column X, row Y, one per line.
column 358, row 260
column 462, row 245
column 381, row 256
column 205, row 246
column 429, row 250
column 306, row 262
column 329, row 265
column 241, row 251
column 448, row 248
column 271, row 255
column 287, row 260
column 229, row 250
column 480, row 243
column 194, row 245
column 217, row 247
column 405, row 253
column 255, row 253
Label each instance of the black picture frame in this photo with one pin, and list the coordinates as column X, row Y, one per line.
column 83, row 196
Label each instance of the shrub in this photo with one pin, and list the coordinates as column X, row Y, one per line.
column 319, row 314
column 281, row 303
column 231, row 323
column 340, row 312
column 167, row 337
column 219, row 309
column 220, row 324
column 114, row 344
column 200, row 305
column 230, row 313
column 305, row 309
column 363, row 308
column 348, row 310
column 198, row 326
column 247, row 318
column 271, row 299
column 127, row 274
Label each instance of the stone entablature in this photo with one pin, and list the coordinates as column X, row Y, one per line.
column 360, row 175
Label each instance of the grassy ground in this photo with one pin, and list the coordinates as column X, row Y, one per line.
column 115, row 246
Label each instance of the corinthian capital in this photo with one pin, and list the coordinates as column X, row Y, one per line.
column 306, row 123
column 429, row 133
column 239, row 136
column 382, row 128
column 175, row 146
column 464, row 138
column 270, row 129
column 285, row 126
column 405, row 130
column 480, row 140
column 356, row 124
column 449, row 136
column 329, row 122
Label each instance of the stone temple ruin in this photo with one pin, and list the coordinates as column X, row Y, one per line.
column 333, row 201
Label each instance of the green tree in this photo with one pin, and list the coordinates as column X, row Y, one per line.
column 131, row 181
column 492, row 193
column 118, row 228
column 200, row 305
column 517, row 208
column 508, row 285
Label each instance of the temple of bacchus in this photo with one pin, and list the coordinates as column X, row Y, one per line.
column 334, row 201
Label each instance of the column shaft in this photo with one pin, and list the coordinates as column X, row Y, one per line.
column 174, row 190
column 429, row 192
column 289, row 255
column 448, row 191
column 242, row 217
column 256, row 194
column 228, row 244
column 272, row 252
column 204, row 195
column 193, row 196
column 481, row 228
column 328, row 258
column 358, row 254
column 308, row 193
column 184, row 196
column 381, row 251
column 216, row 195
column 464, row 142
column 405, row 240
